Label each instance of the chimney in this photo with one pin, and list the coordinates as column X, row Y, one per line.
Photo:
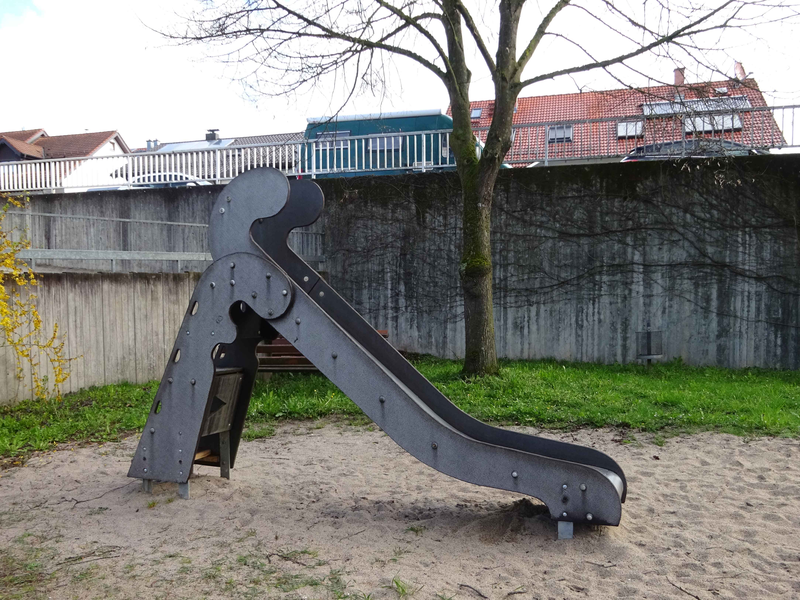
column 149, row 145
column 679, row 77
column 738, row 69
column 212, row 135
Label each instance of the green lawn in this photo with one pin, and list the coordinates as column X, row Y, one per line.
column 665, row 398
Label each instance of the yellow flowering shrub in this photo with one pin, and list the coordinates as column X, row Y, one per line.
column 20, row 323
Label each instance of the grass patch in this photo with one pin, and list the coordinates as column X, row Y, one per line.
column 664, row 398
column 669, row 397
column 97, row 414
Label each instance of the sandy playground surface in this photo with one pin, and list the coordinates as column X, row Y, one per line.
column 341, row 511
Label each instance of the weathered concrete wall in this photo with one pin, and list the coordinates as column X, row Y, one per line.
column 584, row 257
column 116, row 327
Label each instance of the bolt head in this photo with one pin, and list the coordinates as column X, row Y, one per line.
column 233, row 265
column 297, row 320
column 254, row 295
column 180, row 472
column 322, row 294
column 583, row 487
column 514, row 474
column 270, row 311
column 193, row 381
column 212, row 333
column 269, row 275
column 334, row 355
column 169, row 380
column 382, row 399
column 563, row 487
column 305, row 278
column 564, row 514
column 152, row 430
column 434, row 445
column 589, row 516
column 284, row 292
column 222, row 211
column 228, row 198
column 144, row 449
column 213, row 285
column 233, row 282
column 145, row 470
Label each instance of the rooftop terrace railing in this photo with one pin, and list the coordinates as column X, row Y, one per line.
column 672, row 135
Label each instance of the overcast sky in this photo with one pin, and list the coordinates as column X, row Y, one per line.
column 94, row 65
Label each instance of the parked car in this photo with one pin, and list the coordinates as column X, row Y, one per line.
column 694, row 148
column 166, row 180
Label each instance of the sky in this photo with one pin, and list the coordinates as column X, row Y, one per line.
column 98, row 65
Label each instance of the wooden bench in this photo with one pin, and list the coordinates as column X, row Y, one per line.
column 280, row 355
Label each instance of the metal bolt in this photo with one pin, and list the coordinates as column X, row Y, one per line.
column 144, row 449
column 563, row 487
column 589, row 516
column 284, row 292
column 514, row 474
column 270, row 311
column 228, row 198
column 322, row 294
column 169, row 380
column 212, row 333
column 269, row 275
column 180, row 472
column 233, row 265
column 213, row 285
column 179, row 450
column 187, row 333
column 297, row 320
column 254, row 295
column 152, row 430
column 583, row 487
column 233, row 282
column 222, row 211
column 305, row 278
column 193, row 381
column 434, row 445
column 334, row 355
column 382, row 399
column 564, row 514
column 145, row 470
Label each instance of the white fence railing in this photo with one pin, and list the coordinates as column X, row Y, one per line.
column 684, row 133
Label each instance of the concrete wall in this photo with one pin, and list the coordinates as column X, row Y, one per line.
column 584, row 257
column 116, row 327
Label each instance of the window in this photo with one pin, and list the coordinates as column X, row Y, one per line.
column 559, row 133
column 475, row 113
column 700, row 105
column 333, row 138
column 630, row 129
column 710, row 123
column 113, row 146
column 391, row 143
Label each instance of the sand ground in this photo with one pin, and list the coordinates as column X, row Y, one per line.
column 339, row 511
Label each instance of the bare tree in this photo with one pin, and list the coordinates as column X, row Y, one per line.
column 293, row 45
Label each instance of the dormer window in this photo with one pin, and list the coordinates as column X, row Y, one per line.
column 475, row 113
column 559, row 133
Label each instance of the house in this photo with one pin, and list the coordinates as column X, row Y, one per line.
column 605, row 124
column 348, row 146
column 19, row 147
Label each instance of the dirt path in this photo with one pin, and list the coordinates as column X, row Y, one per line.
column 341, row 511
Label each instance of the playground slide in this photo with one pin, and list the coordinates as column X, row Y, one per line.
column 264, row 287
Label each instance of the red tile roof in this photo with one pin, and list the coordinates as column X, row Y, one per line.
column 23, row 149
column 25, row 135
column 598, row 139
column 77, row 145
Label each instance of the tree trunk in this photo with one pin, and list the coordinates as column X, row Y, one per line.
column 476, row 270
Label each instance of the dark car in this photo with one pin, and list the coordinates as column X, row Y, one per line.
column 697, row 148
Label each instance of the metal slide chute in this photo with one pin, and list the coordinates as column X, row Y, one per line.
column 256, row 287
